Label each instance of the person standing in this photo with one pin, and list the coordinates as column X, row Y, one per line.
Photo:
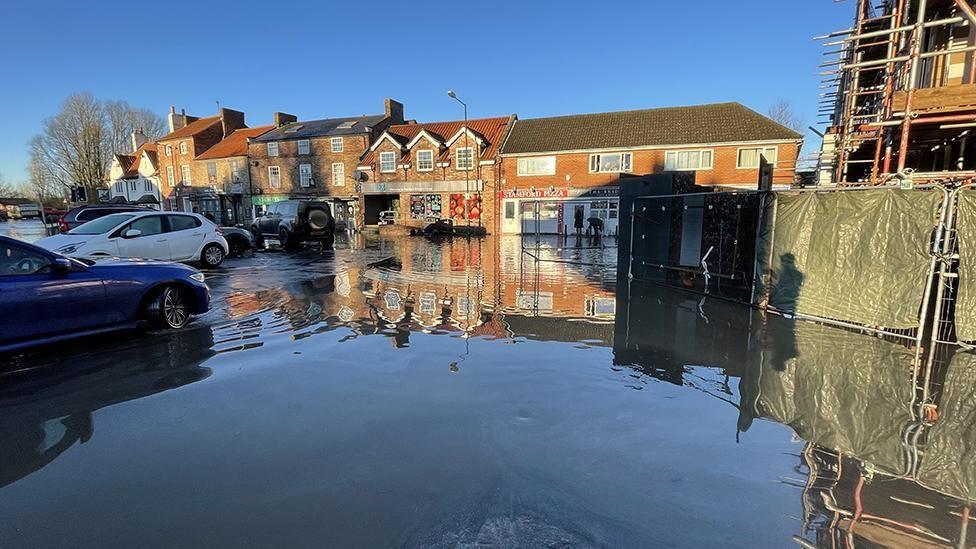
column 578, row 220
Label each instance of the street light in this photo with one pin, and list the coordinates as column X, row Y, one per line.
column 467, row 190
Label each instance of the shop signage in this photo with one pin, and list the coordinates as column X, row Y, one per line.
column 266, row 199
column 534, row 193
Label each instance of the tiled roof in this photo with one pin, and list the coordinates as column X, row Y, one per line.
column 192, row 128
column 234, row 144
column 304, row 129
column 131, row 163
column 715, row 123
column 492, row 130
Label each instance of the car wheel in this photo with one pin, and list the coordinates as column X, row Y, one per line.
column 169, row 308
column 212, row 255
column 238, row 245
column 285, row 239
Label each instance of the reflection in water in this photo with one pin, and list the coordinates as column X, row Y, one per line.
column 43, row 417
column 873, row 474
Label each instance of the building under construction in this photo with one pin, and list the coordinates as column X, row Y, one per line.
column 899, row 94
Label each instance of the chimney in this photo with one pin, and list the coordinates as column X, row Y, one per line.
column 281, row 118
column 175, row 121
column 231, row 120
column 138, row 139
column 394, row 111
column 183, row 116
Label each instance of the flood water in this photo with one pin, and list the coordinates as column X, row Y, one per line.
column 402, row 392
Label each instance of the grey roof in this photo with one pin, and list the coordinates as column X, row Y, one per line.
column 716, row 123
column 321, row 128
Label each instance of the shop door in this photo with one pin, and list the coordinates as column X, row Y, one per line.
column 510, row 218
column 540, row 217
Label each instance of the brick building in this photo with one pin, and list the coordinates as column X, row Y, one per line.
column 225, row 167
column 568, row 163
column 190, row 137
column 435, row 170
column 316, row 159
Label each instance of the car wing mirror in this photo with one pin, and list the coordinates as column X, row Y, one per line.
column 131, row 233
column 61, row 264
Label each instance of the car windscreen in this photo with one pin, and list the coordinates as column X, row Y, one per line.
column 102, row 224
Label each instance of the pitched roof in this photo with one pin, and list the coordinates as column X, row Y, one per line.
column 234, row 144
column 491, row 130
column 131, row 162
column 192, row 128
column 715, row 123
column 327, row 127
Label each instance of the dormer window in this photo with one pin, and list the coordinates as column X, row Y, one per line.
column 387, row 162
column 465, row 158
column 425, row 161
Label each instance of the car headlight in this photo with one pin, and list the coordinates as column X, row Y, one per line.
column 70, row 248
column 199, row 277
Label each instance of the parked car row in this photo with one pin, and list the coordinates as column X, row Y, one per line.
column 47, row 297
column 74, row 284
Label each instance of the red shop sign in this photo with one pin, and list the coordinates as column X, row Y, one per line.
column 534, row 193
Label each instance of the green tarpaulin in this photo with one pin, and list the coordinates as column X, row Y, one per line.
column 966, row 237
column 858, row 256
column 949, row 461
column 841, row 390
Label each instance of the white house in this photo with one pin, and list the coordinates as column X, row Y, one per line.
column 134, row 178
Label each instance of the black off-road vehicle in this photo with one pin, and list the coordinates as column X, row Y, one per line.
column 295, row 221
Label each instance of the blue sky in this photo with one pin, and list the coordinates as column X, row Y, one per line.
column 322, row 59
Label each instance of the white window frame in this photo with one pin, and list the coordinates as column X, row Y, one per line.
column 118, row 186
column 388, row 154
column 304, row 146
column 338, row 174
column 147, row 184
column 183, row 147
column 274, row 177
column 336, row 144
column 169, row 150
column 185, row 174
column 420, row 166
column 272, row 148
column 762, row 150
column 672, row 165
column 305, row 175
column 457, row 159
column 171, row 176
column 625, row 167
column 522, row 170
column 235, row 171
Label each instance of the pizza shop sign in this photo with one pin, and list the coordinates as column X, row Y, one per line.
column 534, row 193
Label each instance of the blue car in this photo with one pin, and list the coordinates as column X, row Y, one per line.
column 46, row 297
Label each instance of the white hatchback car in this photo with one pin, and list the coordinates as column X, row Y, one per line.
column 167, row 236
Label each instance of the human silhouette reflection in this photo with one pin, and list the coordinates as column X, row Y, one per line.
column 788, row 283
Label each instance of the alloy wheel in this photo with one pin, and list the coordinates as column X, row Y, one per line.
column 175, row 310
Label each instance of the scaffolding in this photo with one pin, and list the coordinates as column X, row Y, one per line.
column 899, row 94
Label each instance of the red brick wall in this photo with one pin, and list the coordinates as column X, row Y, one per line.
column 321, row 159
column 575, row 166
column 487, row 173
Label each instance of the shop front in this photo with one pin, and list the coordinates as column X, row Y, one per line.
column 261, row 202
column 417, row 204
column 555, row 210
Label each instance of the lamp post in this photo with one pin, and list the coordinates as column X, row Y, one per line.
column 467, row 190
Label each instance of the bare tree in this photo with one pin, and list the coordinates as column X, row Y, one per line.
column 44, row 182
column 122, row 119
column 6, row 189
column 76, row 145
column 783, row 113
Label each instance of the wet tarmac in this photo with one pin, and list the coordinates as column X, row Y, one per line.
column 402, row 392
